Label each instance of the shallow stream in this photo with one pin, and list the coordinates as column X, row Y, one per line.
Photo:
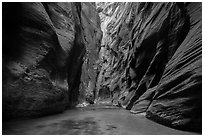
column 96, row 119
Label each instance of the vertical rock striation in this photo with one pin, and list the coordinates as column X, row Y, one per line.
column 93, row 35
column 150, row 60
column 145, row 57
column 45, row 47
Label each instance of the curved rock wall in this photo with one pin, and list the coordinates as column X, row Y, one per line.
column 145, row 57
column 45, row 46
column 150, row 60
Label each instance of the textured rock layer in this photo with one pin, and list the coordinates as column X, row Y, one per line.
column 151, row 60
column 145, row 57
column 45, row 46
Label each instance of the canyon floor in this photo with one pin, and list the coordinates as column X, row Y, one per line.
column 91, row 120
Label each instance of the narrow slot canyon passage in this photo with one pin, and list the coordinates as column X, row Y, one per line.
column 101, row 68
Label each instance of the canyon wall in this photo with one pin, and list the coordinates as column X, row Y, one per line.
column 144, row 57
column 150, row 60
column 48, row 48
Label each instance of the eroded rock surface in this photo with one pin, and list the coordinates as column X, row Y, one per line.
column 45, row 46
column 151, row 60
column 144, row 57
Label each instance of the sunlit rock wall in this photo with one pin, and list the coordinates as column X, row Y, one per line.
column 93, row 35
column 150, row 60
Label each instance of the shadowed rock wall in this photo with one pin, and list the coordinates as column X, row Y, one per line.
column 45, row 46
column 150, row 60
column 145, row 57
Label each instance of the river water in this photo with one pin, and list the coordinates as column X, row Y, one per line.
column 91, row 120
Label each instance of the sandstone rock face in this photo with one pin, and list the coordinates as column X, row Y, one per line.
column 45, row 47
column 150, row 60
column 144, row 57
column 93, row 35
